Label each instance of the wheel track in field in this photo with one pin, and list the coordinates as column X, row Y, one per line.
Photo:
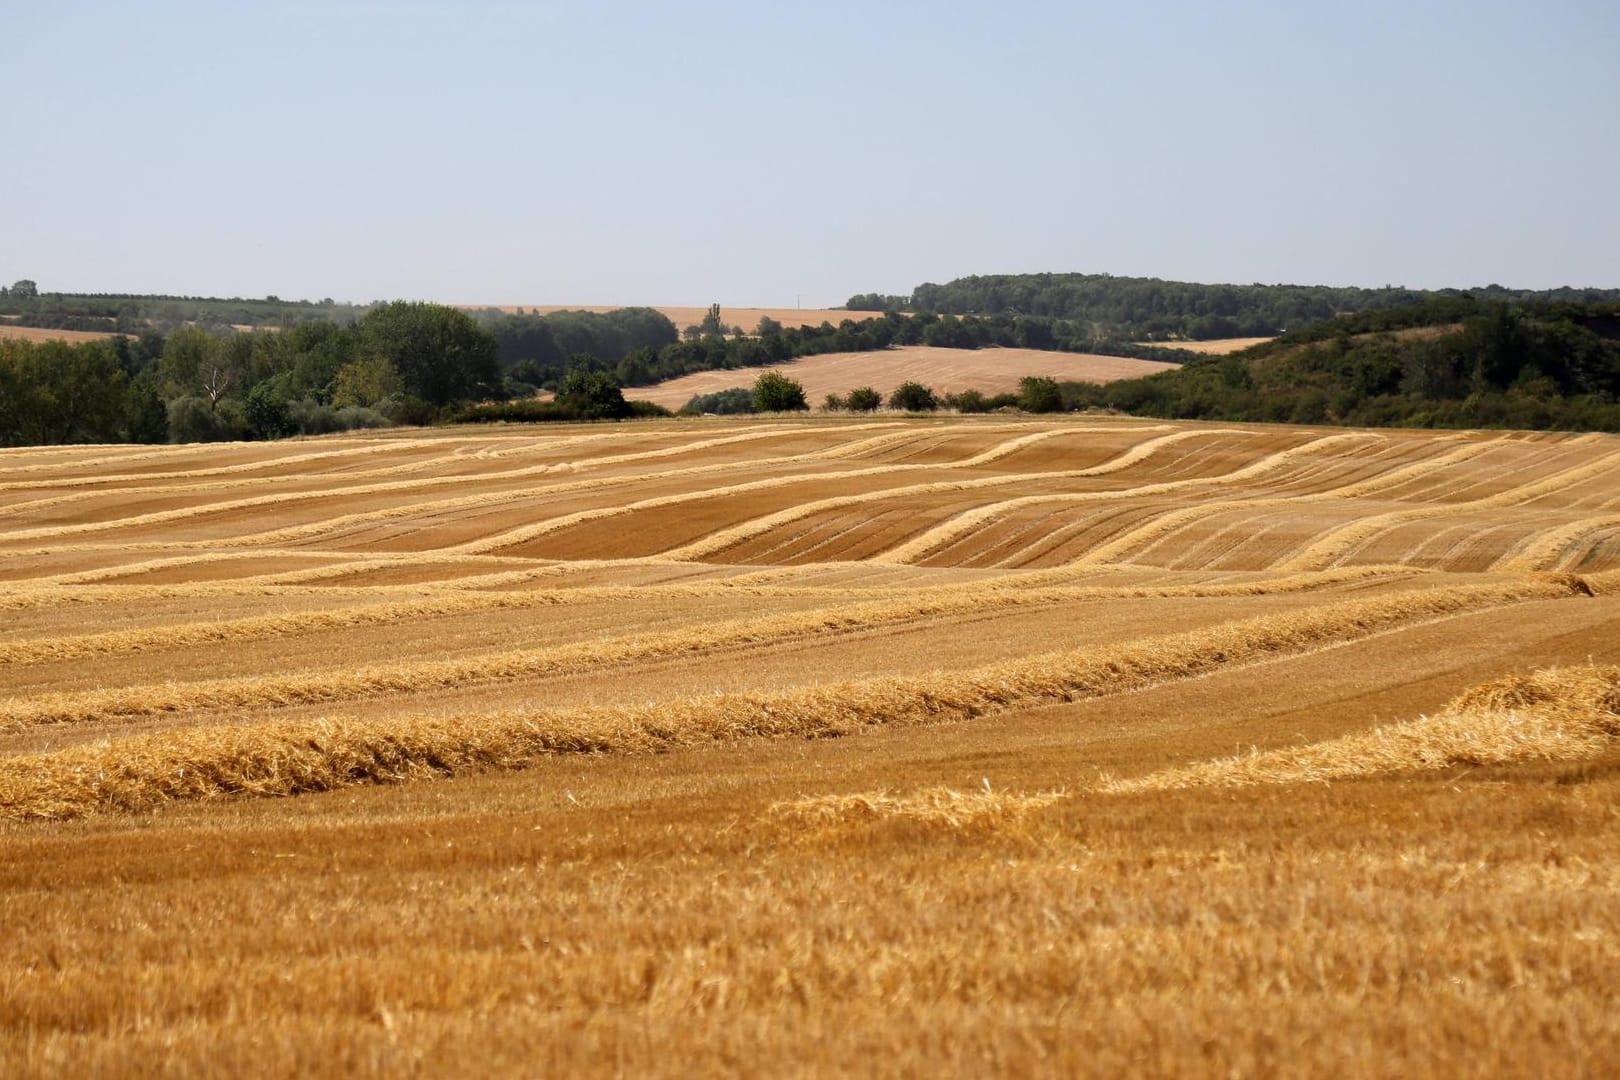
column 396, row 513
column 387, row 487
column 237, row 470
column 1338, row 544
column 922, row 545
column 1552, row 549
column 1160, row 528
column 530, row 531
column 525, row 533
column 730, row 537
column 940, row 599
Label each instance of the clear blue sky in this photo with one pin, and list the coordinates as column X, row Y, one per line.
column 756, row 153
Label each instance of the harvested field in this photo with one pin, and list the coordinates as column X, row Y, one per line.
column 1217, row 347
column 747, row 318
column 948, row 371
column 822, row 745
column 40, row 333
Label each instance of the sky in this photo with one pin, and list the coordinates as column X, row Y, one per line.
column 768, row 154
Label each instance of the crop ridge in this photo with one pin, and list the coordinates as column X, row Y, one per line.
column 969, row 598
column 1339, row 543
column 730, row 537
column 383, row 487
column 286, row 758
column 920, row 546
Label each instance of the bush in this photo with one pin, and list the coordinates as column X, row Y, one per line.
column 267, row 411
column 1039, row 395
column 913, row 397
column 834, row 403
column 529, row 411
column 864, row 399
column 647, row 410
column 737, row 400
column 191, row 421
column 594, row 395
column 775, row 392
column 968, row 401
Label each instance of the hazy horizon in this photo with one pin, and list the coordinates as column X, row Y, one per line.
column 534, row 154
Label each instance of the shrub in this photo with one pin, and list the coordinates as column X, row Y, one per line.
column 864, row 399
column 594, row 395
column 738, row 399
column 191, row 420
column 913, row 397
column 775, row 392
column 1039, row 395
column 647, row 410
column 968, row 401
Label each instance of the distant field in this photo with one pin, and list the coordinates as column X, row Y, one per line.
column 991, row 371
column 35, row 333
column 820, row 746
column 1219, row 347
column 682, row 317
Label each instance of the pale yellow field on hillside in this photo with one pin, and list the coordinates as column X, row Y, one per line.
column 745, row 317
column 947, row 371
column 831, row 745
column 1217, row 347
column 37, row 333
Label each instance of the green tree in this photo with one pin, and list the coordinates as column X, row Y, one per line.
column 864, row 399
column 595, row 395
column 711, row 326
column 441, row 354
column 913, row 397
column 1037, row 394
column 767, row 326
column 968, row 401
column 775, row 392
column 266, row 409
column 735, row 401
column 365, row 382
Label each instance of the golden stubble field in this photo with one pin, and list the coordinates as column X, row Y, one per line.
column 963, row 746
column 946, row 371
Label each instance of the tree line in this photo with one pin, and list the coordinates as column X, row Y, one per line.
column 1131, row 308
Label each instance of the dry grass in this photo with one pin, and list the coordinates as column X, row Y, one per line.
column 1561, row 715
column 939, row 807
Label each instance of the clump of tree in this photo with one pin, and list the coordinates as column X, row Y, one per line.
column 913, row 397
column 1038, row 394
column 400, row 363
column 732, row 402
column 593, row 395
column 1536, row 366
column 1113, row 308
column 775, row 392
column 864, row 399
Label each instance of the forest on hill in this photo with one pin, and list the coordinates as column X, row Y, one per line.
column 1150, row 309
column 420, row 363
column 1450, row 362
